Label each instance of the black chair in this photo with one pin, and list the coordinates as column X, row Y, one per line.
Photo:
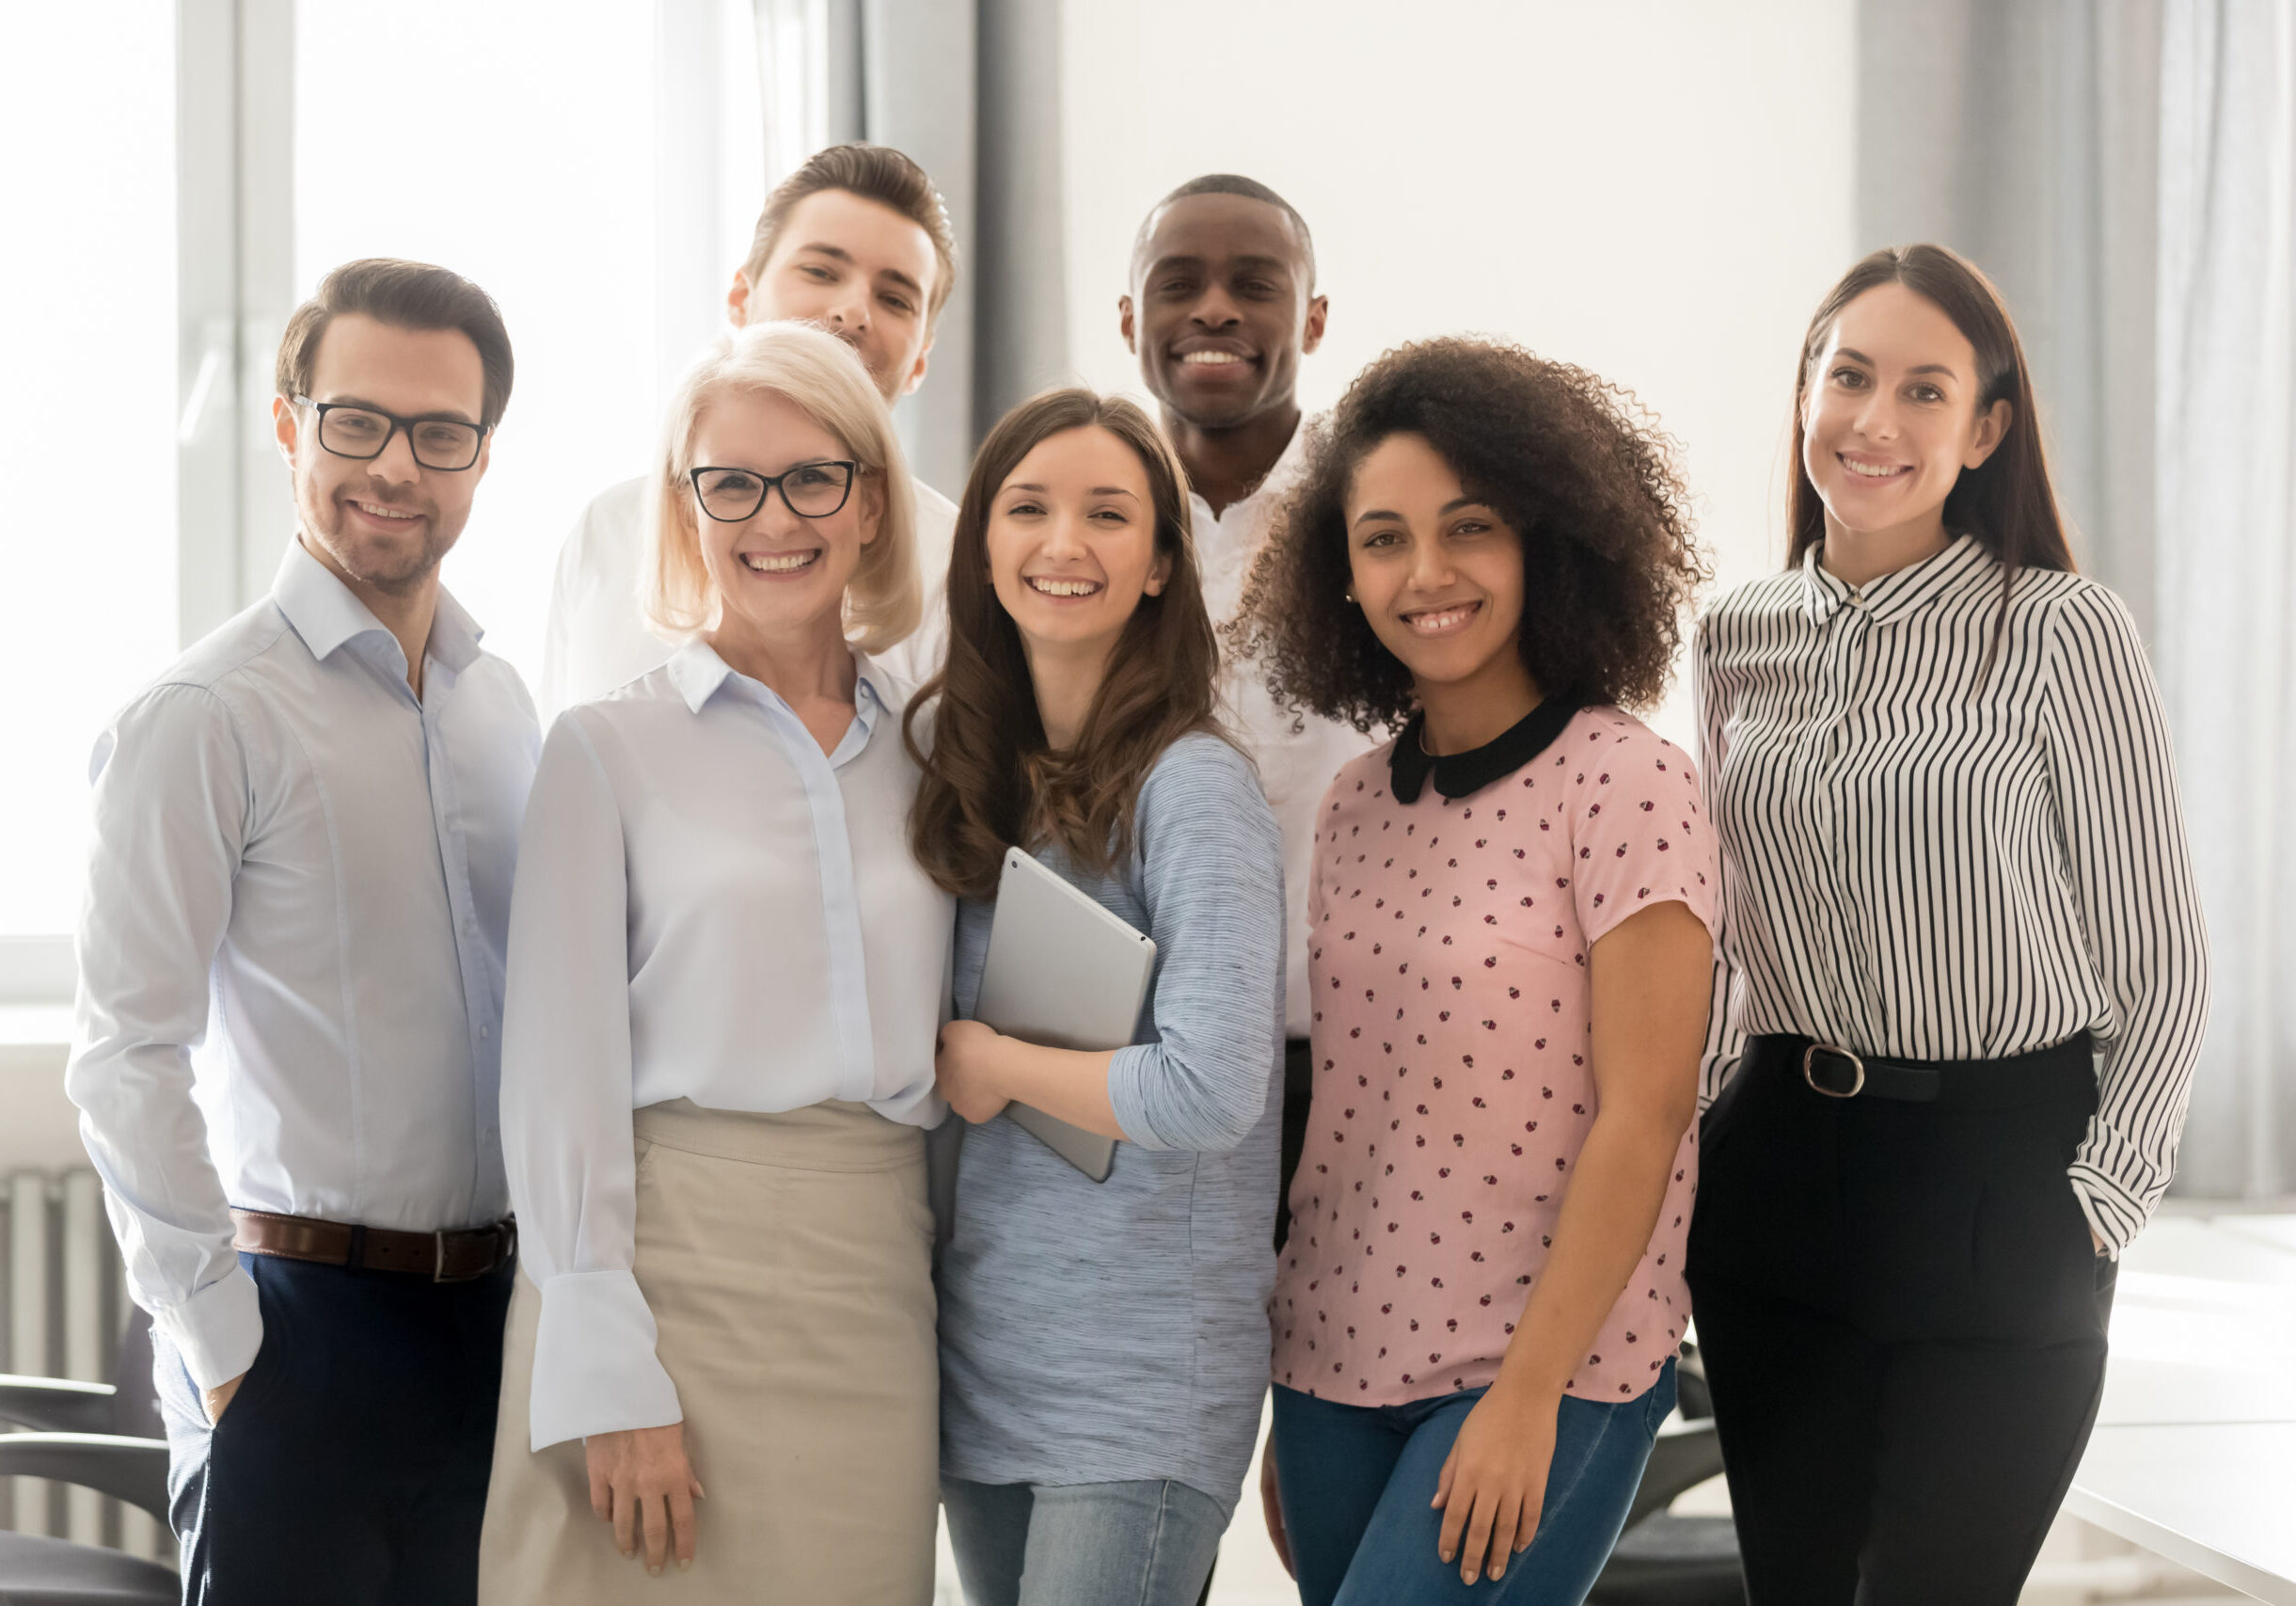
column 99, row 1436
column 1666, row 1560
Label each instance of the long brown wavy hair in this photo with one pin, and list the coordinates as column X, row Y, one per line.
column 990, row 782
column 2007, row 501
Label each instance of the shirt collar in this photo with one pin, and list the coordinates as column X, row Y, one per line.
column 326, row 613
column 1457, row 775
column 1964, row 562
column 699, row 672
column 1274, row 483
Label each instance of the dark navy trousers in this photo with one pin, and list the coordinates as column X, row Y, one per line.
column 351, row 1465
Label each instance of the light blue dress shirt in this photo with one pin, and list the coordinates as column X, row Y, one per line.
column 292, row 953
column 711, row 907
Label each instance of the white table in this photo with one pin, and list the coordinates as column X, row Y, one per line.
column 2195, row 1454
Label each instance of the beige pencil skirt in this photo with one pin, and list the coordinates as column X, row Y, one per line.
column 787, row 1260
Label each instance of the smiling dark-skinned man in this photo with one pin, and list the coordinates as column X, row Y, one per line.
column 1223, row 305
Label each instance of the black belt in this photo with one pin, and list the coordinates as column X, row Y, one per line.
column 1838, row 1072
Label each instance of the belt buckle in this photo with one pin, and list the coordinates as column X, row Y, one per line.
column 439, row 1265
column 1856, row 1063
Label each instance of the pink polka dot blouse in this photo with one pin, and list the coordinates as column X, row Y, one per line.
column 1447, row 944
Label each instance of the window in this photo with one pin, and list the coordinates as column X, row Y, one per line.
column 598, row 175
column 87, row 426
column 599, row 181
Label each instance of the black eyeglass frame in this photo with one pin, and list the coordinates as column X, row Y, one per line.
column 771, row 483
column 319, row 424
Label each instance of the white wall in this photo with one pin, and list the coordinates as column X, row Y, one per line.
column 1659, row 190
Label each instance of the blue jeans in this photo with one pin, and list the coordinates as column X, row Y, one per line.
column 1134, row 1544
column 1356, row 1482
column 351, row 1465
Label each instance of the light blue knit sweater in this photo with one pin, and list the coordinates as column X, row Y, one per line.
column 1106, row 1332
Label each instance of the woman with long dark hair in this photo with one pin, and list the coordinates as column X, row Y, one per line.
column 1963, row 976
column 1102, row 1344
column 1478, row 1307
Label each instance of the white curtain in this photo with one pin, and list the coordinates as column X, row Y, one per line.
column 2126, row 171
column 2226, row 558
column 2022, row 134
column 971, row 89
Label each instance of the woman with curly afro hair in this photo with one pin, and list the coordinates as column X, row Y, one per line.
column 1476, row 1315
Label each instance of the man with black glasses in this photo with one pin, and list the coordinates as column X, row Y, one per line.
column 290, row 989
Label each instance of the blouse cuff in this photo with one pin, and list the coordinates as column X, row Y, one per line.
column 2116, row 1211
column 218, row 1329
column 594, row 1366
column 1128, row 1069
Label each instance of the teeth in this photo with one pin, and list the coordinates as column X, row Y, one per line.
column 1870, row 471
column 778, row 562
column 1065, row 587
column 377, row 512
column 1209, row 359
column 1443, row 620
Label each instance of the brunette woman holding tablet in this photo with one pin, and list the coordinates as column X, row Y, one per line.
column 1102, row 1344
column 1963, row 974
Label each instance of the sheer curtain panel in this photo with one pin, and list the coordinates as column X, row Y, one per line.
column 2226, row 558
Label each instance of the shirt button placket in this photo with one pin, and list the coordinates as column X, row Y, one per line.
column 1847, row 628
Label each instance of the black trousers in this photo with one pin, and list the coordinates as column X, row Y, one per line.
column 1903, row 1322
column 351, row 1466
column 1299, row 1082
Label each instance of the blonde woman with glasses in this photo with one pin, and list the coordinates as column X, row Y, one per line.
column 726, row 975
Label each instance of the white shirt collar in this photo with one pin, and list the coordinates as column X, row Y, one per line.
column 326, row 613
column 699, row 672
column 1271, row 485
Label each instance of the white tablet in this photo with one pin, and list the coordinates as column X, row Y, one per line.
column 1065, row 973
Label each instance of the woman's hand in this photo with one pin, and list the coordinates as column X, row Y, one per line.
column 962, row 1070
column 1272, row 1507
column 641, row 1483
column 1494, row 1481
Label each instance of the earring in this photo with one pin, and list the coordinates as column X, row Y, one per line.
column 1349, row 594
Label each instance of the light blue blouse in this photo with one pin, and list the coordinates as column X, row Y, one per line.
column 708, row 907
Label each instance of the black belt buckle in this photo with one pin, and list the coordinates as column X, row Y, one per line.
column 1821, row 1057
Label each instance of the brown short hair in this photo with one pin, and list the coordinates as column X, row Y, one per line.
column 1571, row 461
column 411, row 295
column 990, row 780
column 873, row 172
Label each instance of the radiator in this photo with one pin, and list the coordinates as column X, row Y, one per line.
column 67, row 1305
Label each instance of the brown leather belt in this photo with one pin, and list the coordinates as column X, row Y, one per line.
column 460, row 1256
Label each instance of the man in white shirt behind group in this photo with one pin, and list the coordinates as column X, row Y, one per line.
column 858, row 241
column 1221, row 306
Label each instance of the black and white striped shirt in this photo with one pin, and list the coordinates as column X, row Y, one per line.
column 1927, row 855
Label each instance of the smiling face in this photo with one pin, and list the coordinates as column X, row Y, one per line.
column 859, row 270
column 1222, row 308
column 388, row 522
column 1437, row 574
column 780, row 578
column 1890, row 415
column 1072, row 541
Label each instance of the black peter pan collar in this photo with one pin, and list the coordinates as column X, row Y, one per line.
column 1457, row 775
